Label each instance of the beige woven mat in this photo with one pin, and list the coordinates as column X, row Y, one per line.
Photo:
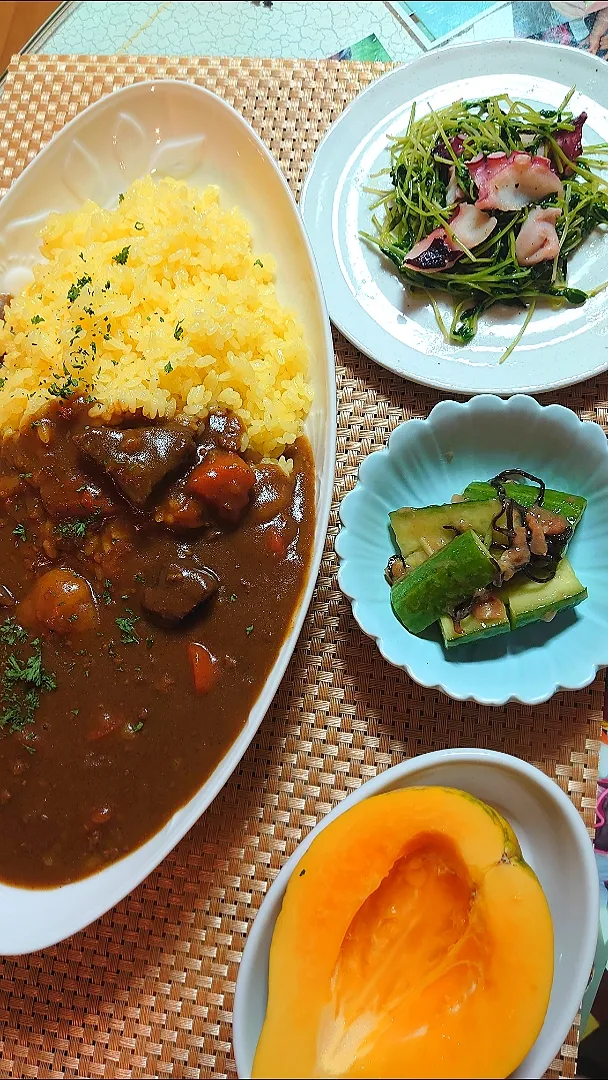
column 147, row 990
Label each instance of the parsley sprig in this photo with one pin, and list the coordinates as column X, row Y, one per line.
column 22, row 679
column 126, row 625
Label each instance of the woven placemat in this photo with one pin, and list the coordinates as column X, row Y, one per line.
column 147, row 990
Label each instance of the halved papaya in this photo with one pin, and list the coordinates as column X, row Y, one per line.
column 413, row 941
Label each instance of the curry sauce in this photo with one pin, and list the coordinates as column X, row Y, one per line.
column 149, row 573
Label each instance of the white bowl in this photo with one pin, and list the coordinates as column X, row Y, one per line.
column 180, row 130
column 427, row 461
column 554, row 842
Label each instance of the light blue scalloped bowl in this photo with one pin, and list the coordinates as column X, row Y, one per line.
column 427, row 461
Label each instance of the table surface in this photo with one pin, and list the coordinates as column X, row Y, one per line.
column 363, row 29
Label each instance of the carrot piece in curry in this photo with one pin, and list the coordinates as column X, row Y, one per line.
column 225, row 481
column 276, row 542
column 205, row 667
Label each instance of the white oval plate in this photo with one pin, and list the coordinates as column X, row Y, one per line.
column 180, row 130
column 554, row 843
column 366, row 298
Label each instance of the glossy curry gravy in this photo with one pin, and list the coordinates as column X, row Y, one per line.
column 148, row 577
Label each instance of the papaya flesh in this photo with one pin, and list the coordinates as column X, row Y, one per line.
column 413, row 941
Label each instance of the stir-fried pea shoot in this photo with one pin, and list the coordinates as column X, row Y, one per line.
column 22, row 677
column 417, row 203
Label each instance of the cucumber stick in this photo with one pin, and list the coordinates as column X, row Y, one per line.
column 421, row 532
column 472, row 629
column 572, row 507
column 446, row 579
column 529, row 601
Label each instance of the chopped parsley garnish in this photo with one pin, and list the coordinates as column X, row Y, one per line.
column 149, row 642
column 138, row 225
column 11, row 633
column 168, row 368
column 122, row 256
column 36, row 319
column 120, row 196
column 126, row 625
column 22, row 680
column 30, row 671
column 106, row 595
column 75, row 290
column 74, row 528
column 139, row 577
column 106, row 286
column 233, row 597
column 2, row 383
column 179, row 330
column 19, row 531
column 249, row 630
column 68, row 387
column 89, row 310
column 258, row 262
column 136, row 727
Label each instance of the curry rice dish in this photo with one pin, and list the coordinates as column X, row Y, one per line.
column 156, row 519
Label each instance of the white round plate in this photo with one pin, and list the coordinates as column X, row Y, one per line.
column 366, row 298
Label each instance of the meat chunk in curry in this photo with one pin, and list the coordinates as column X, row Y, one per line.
column 138, row 459
column 148, row 576
column 181, row 588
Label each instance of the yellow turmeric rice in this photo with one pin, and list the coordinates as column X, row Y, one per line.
column 159, row 305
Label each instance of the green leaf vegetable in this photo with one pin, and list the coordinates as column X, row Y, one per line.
column 415, row 205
